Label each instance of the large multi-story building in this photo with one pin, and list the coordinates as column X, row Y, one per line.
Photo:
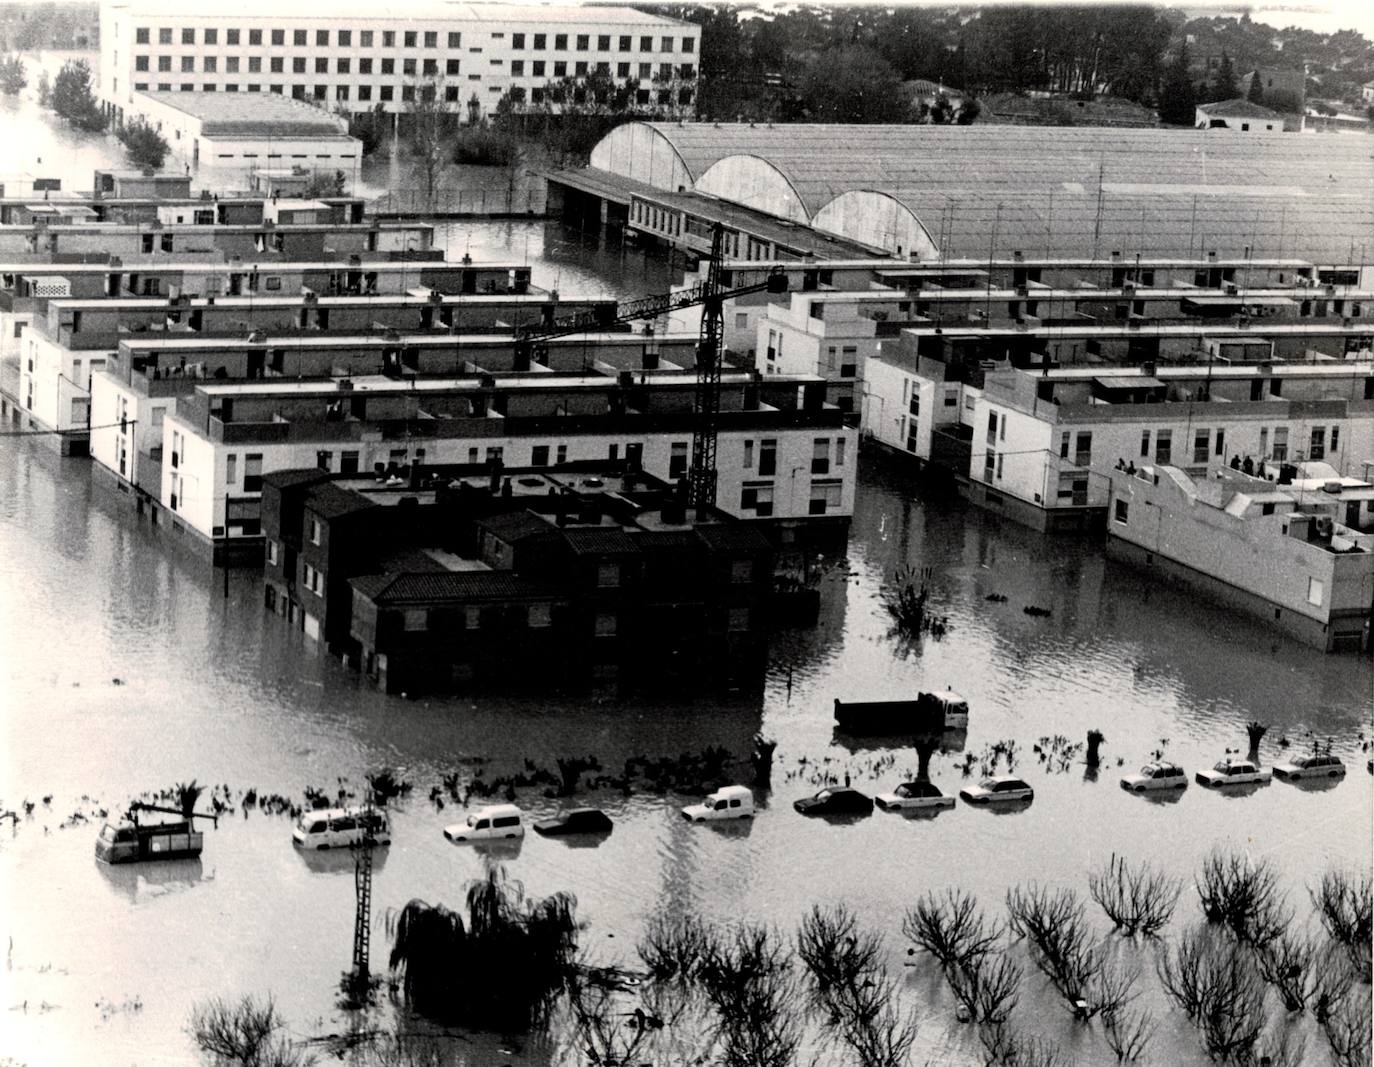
column 354, row 57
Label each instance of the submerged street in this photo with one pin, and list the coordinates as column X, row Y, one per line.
column 125, row 669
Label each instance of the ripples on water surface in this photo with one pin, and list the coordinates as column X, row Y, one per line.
column 219, row 691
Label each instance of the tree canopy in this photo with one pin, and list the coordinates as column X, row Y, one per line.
column 146, row 148
column 72, row 99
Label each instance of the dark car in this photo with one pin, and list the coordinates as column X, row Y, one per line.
column 576, row 821
column 835, row 802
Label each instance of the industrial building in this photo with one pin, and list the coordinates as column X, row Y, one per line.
column 354, row 57
column 1295, row 549
column 970, row 192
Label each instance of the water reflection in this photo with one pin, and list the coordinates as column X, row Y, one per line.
column 339, row 861
column 140, row 882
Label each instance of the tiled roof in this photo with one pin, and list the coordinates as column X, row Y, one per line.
column 1238, row 108
column 733, row 538
column 331, row 501
column 599, row 540
column 438, row 587
column 512, row 526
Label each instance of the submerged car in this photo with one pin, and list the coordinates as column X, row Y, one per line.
column 494, row 822
column 997, row 789
column 576, row 821
column 327, row 828
column 914, row 796
column 1233, row 772
column 1310, row 767
column 1156, row 776
column 731, row 802
column 835, row 802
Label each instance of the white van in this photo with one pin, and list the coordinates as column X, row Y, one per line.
column 731, row 802
column 340, row 828
column 496, row 821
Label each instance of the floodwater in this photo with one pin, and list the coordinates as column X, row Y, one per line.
column 104, row 964
column 124, row 668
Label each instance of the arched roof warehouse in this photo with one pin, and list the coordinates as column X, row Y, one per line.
column 969, row 191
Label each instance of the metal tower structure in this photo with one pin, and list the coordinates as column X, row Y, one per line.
column 701, row 476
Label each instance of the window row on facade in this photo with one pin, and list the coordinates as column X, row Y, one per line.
column 410, row 67
column 210, row 37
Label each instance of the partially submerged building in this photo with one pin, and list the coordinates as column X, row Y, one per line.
column 1300, row 558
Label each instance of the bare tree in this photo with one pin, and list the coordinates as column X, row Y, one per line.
column 951, row 927
column 674, row 948
column 245, row 1033
column 1345, row 906
column 1286, row 963
column 1006, row 1048
column 747, row 976
column 1128, row 1033
column 433, row 124
column 1138, row 899
column 1347, row 1032
column 1213, row 979
column 1332, row 978
column 1243, row 895
column 851, row 988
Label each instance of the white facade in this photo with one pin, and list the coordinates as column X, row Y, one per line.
column 128, row 430
column 353, row 57
column 781, row 473
column 55, row 382
column 827, row 334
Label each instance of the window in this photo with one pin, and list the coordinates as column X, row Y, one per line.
column 276, row 64
column 388, row 38
column 408, row 67
column 1164, row 446
column 321, row 92
column 271, row 547
column 252, row 472
column 539, row 456
column 188, row 63
column 748, row 455
column 839, row 452
column 580, row 69
column 1083, row 449
column 677, row 461
column 345, row 38
column 254, row 64
column 768, row 457
column 384, row 92
column 608, row 576
column 452, row 67
column 741, row 571
column 321, row 65
column 992, row 427
column 1316, row 590
column 164, row 63
column 365, row 65
column 344, row 66
column 738, row 619
column 188, row 35
column 561, row 456
column 455, row 40
column 298, row 64
column 164, row 36
column 538, row 68
column 820, row 455
column 140, row 62
column 416, row 619
column 299, row 38
column 1201, row 442
column 517, row 40
column 605, row 624
column 1317, row 448
column 1280, row 452
column 231, row 469
column 472, row 618
column 646, row 44
column 430, row 67
column 689, row 44
column 560, row 42
column 1123, row 509
column 1221, row 443
column 411, row 38
column 431, row 38
column 312, row 529
column 1335, row 441
column 758, row 498
column 141, row 35
column 388, row 66
column 540, row 616
column 824, row 497
column 540, row 41
column 278, row 38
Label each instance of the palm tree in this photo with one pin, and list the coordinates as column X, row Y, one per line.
column 187, row 796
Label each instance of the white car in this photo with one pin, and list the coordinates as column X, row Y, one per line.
column 997, row 789
column 494, row 822
column 1234, row 772
column 340, row 828
column 731, row 802
column 1156, row 776
column 914, row 796
column 1310, row 767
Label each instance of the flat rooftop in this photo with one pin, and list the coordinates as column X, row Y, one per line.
column 1136, row 377
column 185, row 340
column 272, row 266
column 413, row 10
column 406, row 299
column 251, row 114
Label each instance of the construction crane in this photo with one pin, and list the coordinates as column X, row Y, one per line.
column 532, row 342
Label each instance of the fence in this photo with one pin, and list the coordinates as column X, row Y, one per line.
column 527, row 200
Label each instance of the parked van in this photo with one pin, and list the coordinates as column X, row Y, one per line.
column 340, row 828
column 731, row 802
column 494, row 821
